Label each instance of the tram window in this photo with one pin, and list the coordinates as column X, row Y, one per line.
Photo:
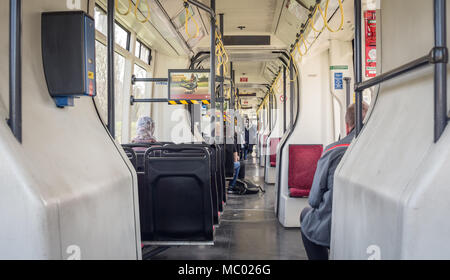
column 137, row 51
column 101, row 67
column 121, row 35
column 101, row 23
column 119, row 71
column 143, row 52
column 102, row 88
column 140, row 90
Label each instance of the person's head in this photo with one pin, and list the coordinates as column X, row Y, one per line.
column 350, row 116
column 145, row 128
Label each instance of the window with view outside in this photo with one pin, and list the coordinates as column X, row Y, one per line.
column 121, row 36
column 102, row 86
column 140, row 90
column 137, row 51
column 142, row 52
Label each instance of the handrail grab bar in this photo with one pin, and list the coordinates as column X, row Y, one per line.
column 409, row 67
column 15, row 68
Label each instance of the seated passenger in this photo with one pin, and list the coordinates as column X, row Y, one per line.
column 237, row 168
column 316, row 220
column 144, row 131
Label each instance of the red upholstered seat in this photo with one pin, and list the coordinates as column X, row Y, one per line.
column 273, row 151
column 302, row 167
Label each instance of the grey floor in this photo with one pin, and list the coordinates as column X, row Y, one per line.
column 248, row 230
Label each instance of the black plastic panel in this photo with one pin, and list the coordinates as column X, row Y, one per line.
column 246, row 40
column 68, row 53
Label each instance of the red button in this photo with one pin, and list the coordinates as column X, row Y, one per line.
column 91, row 88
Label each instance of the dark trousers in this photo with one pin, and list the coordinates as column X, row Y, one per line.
column 314, row 251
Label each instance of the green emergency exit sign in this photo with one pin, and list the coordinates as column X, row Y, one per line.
column 339, row 67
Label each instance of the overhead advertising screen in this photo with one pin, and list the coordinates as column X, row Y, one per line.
column 189, row 85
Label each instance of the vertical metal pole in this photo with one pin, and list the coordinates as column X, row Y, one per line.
column 232, row 86
column 15, row 68
column 111, row 77
column 270, row 111
column 232, row 98
column 291, row 77
column 236, row 100
column 222, row 90
column 192, row 113
column 358, row 66
column 212, row 74
column 440, row 70
column 284, row 99
column 347, row 94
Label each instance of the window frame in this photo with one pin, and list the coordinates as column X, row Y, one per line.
column 128, row 43
column 130, row 60
column 142, row 44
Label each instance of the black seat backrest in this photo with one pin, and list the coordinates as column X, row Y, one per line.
column 140, row 149
column 229, row 161
column 166, row 143
column 216, row 178
column 215, row 190
column 131, row 154
column 176, row 203
column 222, row 178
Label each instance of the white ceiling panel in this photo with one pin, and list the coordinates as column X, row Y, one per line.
column 256, row 15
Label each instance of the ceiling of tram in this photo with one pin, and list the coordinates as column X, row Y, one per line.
column 257, row 16
column 279, row 19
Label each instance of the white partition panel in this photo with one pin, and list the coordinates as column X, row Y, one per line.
column 391, row 193
column 277, row 130
column 68, row 191
column 314, row 126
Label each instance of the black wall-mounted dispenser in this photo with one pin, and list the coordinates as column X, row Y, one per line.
column 68, row 53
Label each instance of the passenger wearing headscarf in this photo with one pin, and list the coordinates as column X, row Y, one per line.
column 144, row 131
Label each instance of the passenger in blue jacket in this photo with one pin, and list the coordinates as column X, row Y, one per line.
column 316, row 220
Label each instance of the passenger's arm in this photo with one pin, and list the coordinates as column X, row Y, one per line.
column 323, row 180
column 236, row 157
column 319, row 185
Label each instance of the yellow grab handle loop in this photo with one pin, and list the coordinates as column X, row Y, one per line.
column 274, row 84
column 341, row 8
column 136, row 8
column 313, row 19
column 302, row 39
column 226, row 58
column 222, row 55
column 118, row 10
column 190, row 16
column 219, row 57
column 325, row 17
